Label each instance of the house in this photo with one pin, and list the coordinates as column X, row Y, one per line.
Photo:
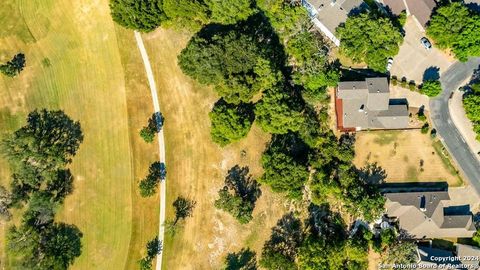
column 327, row 15
column 422, row 215
column 428, row 257
column 362, row 105
column 420, row 10
column 469, row 256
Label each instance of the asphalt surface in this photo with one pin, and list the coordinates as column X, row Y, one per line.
column 451, row 80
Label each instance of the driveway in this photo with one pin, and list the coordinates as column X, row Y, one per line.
column 440, row 114
column 413, row 59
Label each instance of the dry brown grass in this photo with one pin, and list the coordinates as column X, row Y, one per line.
column 196, row 166
column 400, row 154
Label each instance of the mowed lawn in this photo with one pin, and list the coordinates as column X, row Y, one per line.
column 196, row 167
column 75, row 62
column 407, row 156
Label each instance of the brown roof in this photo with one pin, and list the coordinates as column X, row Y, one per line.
column 395, row 6
column 421, row 9
column 366, row 105
column 422, row 215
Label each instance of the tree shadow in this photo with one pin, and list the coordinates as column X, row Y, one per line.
column 286, row 236
column 244, row 259
column 431, row 74
column 474, row 6
column 241, row 182
column 372, row 174
column 324, row 223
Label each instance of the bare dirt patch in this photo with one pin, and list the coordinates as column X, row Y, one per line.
column 407, row 156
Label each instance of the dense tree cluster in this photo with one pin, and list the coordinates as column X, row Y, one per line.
column 279, row 111
column 39, row 153
column 230, row 11
column 285, row 165
column 142, row 15
column 471, row 103
column 239, row 194
column 370, row 39
column 230, row 122
column 239, row 60
column 156, row 173
column 431, row 88
column 311, row 67
column 13, row 67
column 321, row 242
column 457, row 27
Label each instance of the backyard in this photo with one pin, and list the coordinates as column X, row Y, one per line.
column 407, row 156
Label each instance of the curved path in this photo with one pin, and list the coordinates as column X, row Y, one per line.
column 161, row 141
column 451, row 80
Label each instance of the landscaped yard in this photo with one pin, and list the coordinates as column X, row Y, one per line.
column 76, row 62
column 407, row 156
column 197, row 167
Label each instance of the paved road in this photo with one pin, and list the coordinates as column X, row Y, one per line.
column 161, row 141
column 451, row 80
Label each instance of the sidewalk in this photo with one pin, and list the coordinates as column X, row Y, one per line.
column 459, row 117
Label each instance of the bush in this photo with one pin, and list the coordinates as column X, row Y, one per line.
column 431, row 88
column 394, row 80
column 425, row 128
column 412, row 86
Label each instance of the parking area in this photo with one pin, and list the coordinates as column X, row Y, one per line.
column 413, row 59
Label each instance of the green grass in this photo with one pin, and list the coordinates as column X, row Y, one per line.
column 84, row 77
column 385, row 137
column 446, row 160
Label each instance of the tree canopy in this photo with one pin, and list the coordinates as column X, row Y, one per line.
column 311, row 67
column 155, row 124
column 245, row 259
column 141, row 15
column 280, row 251
column 183, row 208
column 370, row 39
column 38, row 154
column 457, row 27
column 239, row 61
column 230, row 122
column 431, row 88
column 156, row 173
column 471, row 103
column 13, row 67
column 230, row 11
column 284, row 164
column 279, row 111
column 54, row 246
column 48, row 141
column 190, row 14
column 239, row 194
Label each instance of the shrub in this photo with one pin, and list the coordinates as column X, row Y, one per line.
column 431, row 88
column 394, row 80
column 425, row 128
